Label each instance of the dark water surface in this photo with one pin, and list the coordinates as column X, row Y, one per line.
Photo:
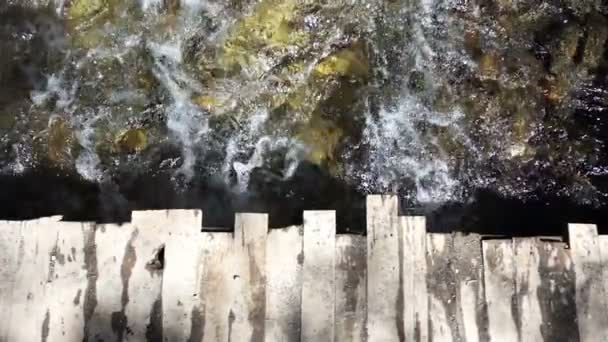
column 45, row 192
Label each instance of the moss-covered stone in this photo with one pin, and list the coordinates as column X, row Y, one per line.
column 350, row 62
column 146, row 81
column 564, row 48
column 308, row 91
column 91, row 23
column 321, row 137
column 555, row 89
column 472, row 41
column 595, row 42
column 61, row 143
column 489, row 65
column 81, row 11
column 269, row 31
column 208, row 103
column 131, row 141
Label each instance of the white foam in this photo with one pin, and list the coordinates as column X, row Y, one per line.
column 151, row 5
column 57, row 88
column 399, row 150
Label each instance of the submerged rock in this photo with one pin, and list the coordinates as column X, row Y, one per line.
column 350, row 62
column 131, row 141
column 327, row 105
column 268, row 34
column 489, row 65
column 594, row 44
column 322, row 138
column 57, row 144
column 308, row 92
column 83, row 17
column 82, row 11
column 564, row 50
column 209, row 103
column 94, row 24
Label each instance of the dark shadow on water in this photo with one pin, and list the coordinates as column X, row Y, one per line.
column 490, row 213
column 44, row 192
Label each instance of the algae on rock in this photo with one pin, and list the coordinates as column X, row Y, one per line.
column 269, row 33
column 57, row 143
column 94, row 23
column 307, row 90
column 131, row 141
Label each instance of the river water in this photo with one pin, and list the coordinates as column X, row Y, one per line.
column 283, row 105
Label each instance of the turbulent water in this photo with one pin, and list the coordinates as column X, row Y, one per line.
column 429, row 98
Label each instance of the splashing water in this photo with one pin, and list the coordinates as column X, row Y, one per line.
column 399, row 149
column 435, row 96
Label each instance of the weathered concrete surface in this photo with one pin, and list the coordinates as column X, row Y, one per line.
column 284, row 259
column 69, row 286
column 499, row 283
column 180, row 272
column 217, row 269
column 545, row 291
column 590, row 293
column 415, row 298
column 557, row 293
column 318, row 276
column 12, row 246
column 159, row 278
column 26, row 310
column 233, row 282
column 351, row 289
column 457, row 307
column 529, row 317
column 384, row 270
